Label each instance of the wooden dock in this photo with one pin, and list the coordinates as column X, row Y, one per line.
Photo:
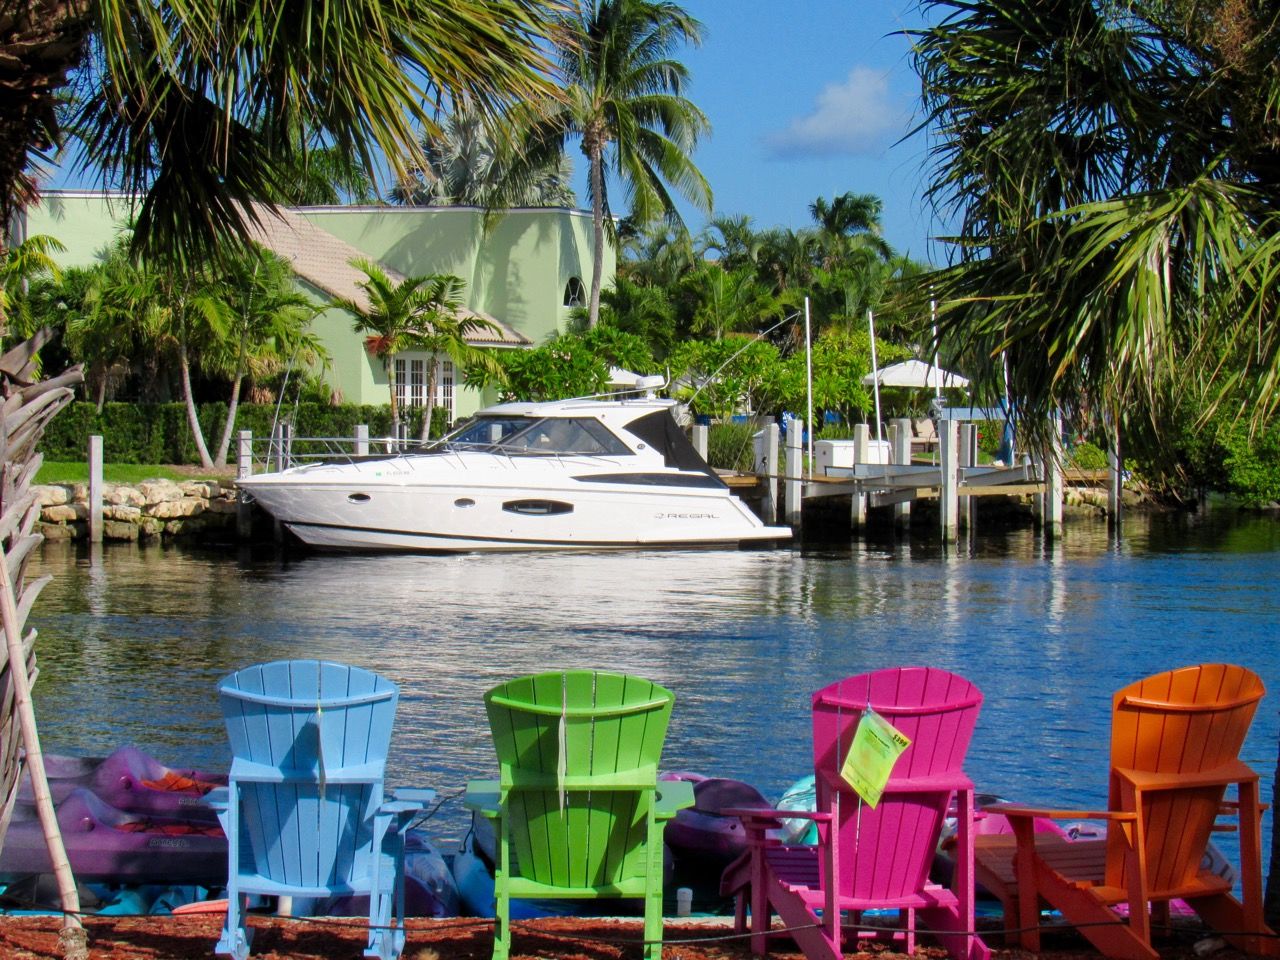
column 890, row 475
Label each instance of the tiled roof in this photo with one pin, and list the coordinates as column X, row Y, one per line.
column 324, row 261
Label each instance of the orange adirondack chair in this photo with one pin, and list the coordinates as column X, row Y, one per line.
column 1175, row 746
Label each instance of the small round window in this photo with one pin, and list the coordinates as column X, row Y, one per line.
column 575, row 295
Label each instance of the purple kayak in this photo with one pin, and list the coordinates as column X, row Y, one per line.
column 104, row 843
column 130, row 780
column 703, row 834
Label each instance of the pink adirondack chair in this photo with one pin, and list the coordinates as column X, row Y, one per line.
column 872, row 858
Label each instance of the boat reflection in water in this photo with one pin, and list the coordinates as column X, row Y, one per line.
column 570, row 474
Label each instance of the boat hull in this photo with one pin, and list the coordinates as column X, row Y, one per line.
column 456, row 509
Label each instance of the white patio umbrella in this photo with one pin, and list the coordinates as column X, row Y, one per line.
column 915, row 373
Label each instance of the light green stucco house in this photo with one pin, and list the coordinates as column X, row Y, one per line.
column 525, row 272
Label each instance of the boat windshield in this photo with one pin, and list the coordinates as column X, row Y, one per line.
column 535, row 435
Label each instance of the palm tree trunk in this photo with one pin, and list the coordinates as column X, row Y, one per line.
column 432, row 377
column 193, row 421
column 224, row 444
column 595, row 158
column 391, row 385
column 102, row 389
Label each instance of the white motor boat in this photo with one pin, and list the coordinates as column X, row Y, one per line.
column 570, row 474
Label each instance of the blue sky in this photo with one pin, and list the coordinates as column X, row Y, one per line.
column 808, row 99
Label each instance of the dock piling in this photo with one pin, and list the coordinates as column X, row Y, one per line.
column 244, row 468
column 1053, row 484
column 362, row 440
column 95, row 488
column 900, row 444
column 949, row 493
column 861, row 449
column 795, row 468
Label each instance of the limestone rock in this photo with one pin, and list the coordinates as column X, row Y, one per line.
column 202, row 489
column 53, row 494
column 150, row 527
column 125, row 513
column 222, row 506
column 172, row 509
column 119, row 530
column 56, row 531
column 121, row 495
column 160, row 491
column 65, row 513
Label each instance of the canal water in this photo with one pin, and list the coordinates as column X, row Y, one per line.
column 132, row 641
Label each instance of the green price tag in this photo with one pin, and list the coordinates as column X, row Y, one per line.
column 875, row 749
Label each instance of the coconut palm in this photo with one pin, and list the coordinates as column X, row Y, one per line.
column 415, row 313
column 624, row 100
column 198, row 106
column 19, row 265
column 470, row 161
column 1115, row 174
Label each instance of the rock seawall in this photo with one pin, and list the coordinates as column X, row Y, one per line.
column 150, row 510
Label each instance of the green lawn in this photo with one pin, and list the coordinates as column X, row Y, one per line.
column 127, row 473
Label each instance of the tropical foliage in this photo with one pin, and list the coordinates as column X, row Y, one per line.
column 471, row 161
column 623, row 100
column 416, row 313
column 1112, row 171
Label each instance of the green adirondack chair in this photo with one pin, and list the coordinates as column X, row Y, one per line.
column 578, row 808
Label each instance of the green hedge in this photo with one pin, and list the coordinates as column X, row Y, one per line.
column 158, row 433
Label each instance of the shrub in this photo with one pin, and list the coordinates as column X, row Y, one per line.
column 730, row 446
column 158, row 433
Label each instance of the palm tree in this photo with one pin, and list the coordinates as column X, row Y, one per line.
column 732, row 239
column 624, row 100
column 270, row 327
column 19, row 265
column 470, row 161
column 201, row 107
column 1115, row 175
column 415, row 313
column 728, row 300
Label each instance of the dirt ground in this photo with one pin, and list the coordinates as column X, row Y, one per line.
column 194, row 936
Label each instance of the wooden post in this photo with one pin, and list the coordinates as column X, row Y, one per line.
column 95, row 489
column 362, row 440
column 1115, row 480
column 766, row 467
column 1053, row 484
column 948, row 499
column 900, row 444
column 244, row 468
column 795, row 466
column 861, row 448
column 700, row 442
column 968, row 458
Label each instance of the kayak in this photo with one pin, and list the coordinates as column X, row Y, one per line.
column 132, row 780
column 704, row 835
column 104, row 843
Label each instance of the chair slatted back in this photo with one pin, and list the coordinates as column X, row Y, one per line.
column 886, row 852
column 578, row 817
column 1191, row 720
column 314, row 723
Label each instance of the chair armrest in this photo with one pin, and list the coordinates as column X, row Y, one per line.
column 420, row 795
column 1018, row 810
column 770, row 816
column 219, row 798
column 671, row 797
column 407, row 800
column 1237, row 771
column 484, row 797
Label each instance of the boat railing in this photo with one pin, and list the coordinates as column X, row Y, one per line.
column 283, row 449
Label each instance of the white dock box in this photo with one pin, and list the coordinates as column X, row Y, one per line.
column 840, row 453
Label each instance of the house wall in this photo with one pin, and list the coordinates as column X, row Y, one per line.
column 515, row 271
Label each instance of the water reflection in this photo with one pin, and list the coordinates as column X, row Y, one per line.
column 133, row 641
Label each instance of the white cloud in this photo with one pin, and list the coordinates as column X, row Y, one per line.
column 858, row 116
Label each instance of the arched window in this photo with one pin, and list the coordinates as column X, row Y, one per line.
column 575, row 295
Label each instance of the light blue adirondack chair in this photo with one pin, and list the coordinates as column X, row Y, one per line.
column 304, row 812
